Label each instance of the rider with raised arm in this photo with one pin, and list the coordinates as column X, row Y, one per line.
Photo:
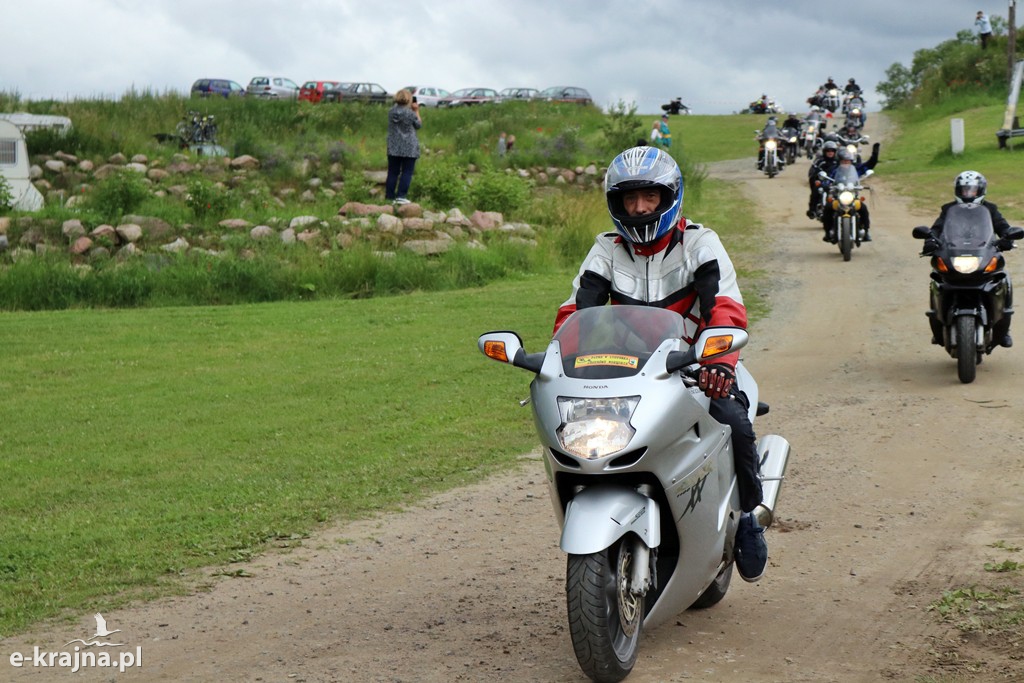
column 656, row 257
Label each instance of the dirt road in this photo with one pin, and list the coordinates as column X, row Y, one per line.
column 901, row 480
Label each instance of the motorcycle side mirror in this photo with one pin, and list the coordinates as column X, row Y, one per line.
column 1014, row 233
column 922, row 233
column 713, row 342
column 507, row 347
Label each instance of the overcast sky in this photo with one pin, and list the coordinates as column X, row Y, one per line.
column 717, row 56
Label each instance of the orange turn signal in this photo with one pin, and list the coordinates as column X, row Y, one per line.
column 993, row 265
column 941, row 265
column 496, row 350
column 716, row 345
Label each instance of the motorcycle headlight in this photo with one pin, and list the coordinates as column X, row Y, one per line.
column 852, row 149
column 793, row 139
column 845, row 197
column 595, row 427
column 966, row 264
column 770, row 144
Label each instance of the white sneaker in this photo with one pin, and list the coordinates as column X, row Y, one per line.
column 402, row 200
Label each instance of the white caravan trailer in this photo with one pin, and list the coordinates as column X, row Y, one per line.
column 14, row 168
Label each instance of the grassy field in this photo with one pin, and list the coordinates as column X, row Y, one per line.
column 923, row 166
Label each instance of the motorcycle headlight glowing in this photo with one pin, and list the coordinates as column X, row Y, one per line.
column 966, row 264
column 595, row 427
column 845, row 197
column 770, row 144
column 852, row 149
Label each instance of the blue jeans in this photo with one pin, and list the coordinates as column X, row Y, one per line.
column 399, row 173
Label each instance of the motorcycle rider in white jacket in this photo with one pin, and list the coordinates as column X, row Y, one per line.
column 656, row 257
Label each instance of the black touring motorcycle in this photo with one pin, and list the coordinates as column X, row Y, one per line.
column 971, row 296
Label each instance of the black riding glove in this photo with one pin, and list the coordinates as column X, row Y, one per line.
column 1003, row 244
column 716, row 380
column 930, row 247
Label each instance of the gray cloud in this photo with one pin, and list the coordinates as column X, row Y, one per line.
column 716, row 56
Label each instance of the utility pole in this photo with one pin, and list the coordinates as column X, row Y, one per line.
column 1011, row 58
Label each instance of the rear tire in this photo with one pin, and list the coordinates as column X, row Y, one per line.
column 966, row 349
column 605, row 619
column 714, row 593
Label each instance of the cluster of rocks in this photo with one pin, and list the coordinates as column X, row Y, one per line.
column 65, row 179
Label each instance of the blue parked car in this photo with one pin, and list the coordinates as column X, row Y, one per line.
column 207, row 87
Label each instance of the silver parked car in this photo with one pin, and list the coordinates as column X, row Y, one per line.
column 427, row 96
column 469, row 96
column 513, row 94
column 273, row 87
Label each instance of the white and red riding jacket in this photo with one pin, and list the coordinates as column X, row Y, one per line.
column 687, row 271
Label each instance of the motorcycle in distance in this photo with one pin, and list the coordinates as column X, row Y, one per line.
column 771, row 161
column 970, row 292
column 852, row 142
column 843, row 194
column 676, row 106
column 810, row 140
column 831, row 100
column 854, row 110
column 791, row 144
column 641, row 478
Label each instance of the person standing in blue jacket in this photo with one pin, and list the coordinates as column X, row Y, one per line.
column 984, row 28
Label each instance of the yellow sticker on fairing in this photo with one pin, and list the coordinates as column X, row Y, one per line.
column 610, row 359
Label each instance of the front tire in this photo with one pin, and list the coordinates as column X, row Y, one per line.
column 966, row 349
column 605, row 619
column 846, row 238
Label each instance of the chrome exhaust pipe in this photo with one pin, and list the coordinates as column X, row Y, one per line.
column 772, row 456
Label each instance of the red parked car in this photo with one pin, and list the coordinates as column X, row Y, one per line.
column 313, row 91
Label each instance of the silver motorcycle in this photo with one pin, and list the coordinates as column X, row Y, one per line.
column 641, row 477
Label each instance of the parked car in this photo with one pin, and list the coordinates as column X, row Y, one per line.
column 518, row 94
column 209, row 87
column 273, row 87
column 359, row 92
column 427, row 96
column 313, row 91
column 468, row 96
column 565, row 93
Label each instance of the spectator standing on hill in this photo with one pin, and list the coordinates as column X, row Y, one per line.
column 984, row 28
column 510, row 142
column 655, row 133
column 502, row 144
column 666, row 135
column 403, row 146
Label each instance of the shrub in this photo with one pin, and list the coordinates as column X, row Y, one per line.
column 622, row 127
column 206, row 199
column 6, row 196
column 440, row 182
column 495, row 191
column 123, row 192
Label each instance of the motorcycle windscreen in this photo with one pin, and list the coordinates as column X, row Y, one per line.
column 846, row 175
column 968, row 227
column 609, row 342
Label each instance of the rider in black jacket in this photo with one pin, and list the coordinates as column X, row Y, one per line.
column 827, row 163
